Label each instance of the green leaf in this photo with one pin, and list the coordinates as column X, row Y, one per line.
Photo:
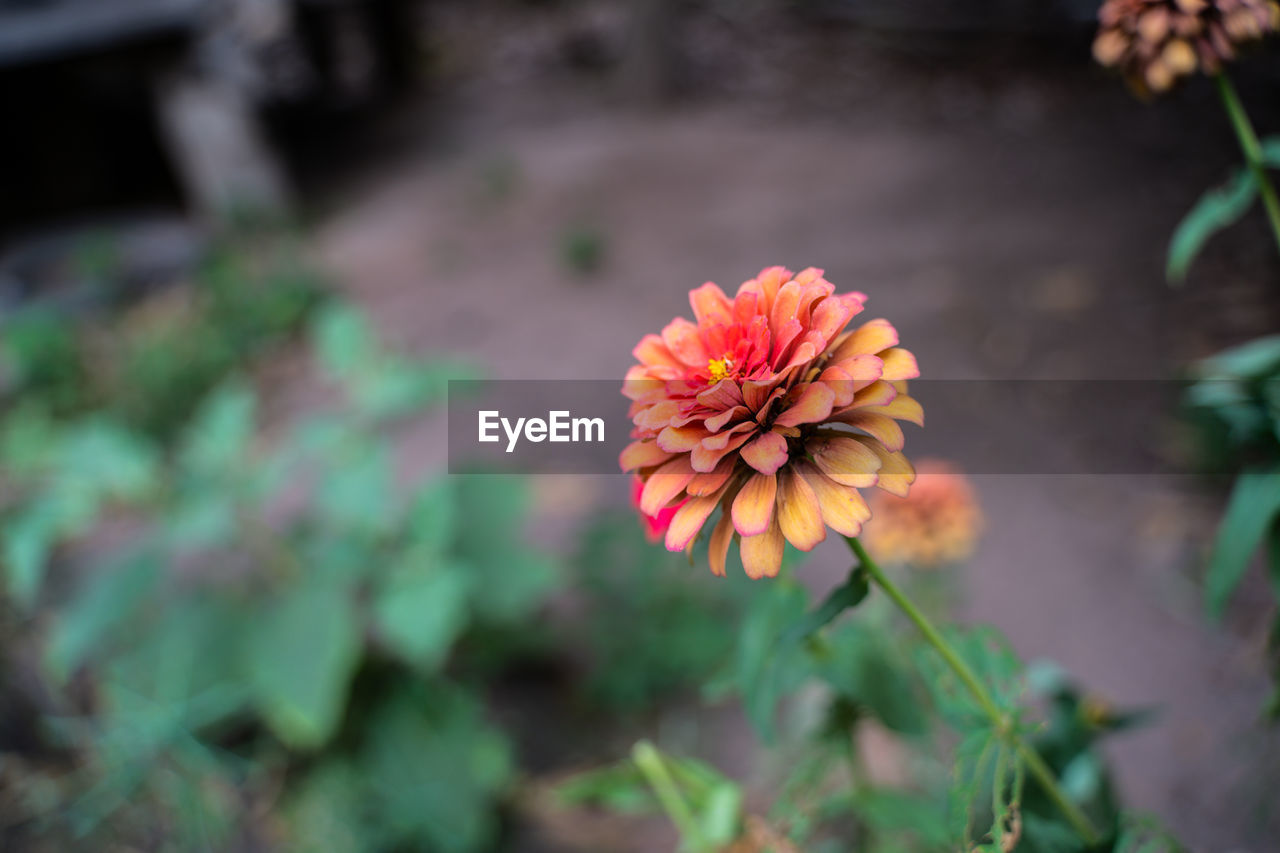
column 511, row 577
column 994, row 664
column 344, row 341
column 1217, row 209
column 420, row 608
column 1254, row 503
column 434, row 770
column 620, row 788
column 892, row 812
column 767, row 668
column 106, row 460
column 432, row 517
column 302, row 653
column 861, row 665
column 357, row 492
column 110, row 597
column 323, row 811
column 219, row 435
column 28, row 542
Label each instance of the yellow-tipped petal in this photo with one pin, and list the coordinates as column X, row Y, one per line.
column 896, row 473
column 688, row 520
column 846, row 460
column 899, row 364
column 705, row 483
column 762, row 553
column 721, row 536
column 753, row 507
column 799, row 513
column 642, row 454
column 868, row 339
column 842, row 507
column 884, row 429
column 665, row 484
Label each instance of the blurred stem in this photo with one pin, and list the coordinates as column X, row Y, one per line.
column 654, row 769
column 1252, row 149
column 1079, row 822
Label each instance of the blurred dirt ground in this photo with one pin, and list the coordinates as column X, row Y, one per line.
column 1007, row 206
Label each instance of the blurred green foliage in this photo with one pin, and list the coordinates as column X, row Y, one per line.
column 150, row 367
column 1235, row 402
column 279, row 614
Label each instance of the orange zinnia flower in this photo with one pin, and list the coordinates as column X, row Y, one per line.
column 769, row 409
column 936, row 525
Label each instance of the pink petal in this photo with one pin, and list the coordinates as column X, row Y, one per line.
column 688, row 520
column 665, row 484
column 814, row 406
column 753, row 507
column 767, row 453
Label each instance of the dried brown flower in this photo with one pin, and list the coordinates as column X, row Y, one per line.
column 1154, row 43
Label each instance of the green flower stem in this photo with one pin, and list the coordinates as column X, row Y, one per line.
column 1252, row 149
column 999, row 719
column 654, row 769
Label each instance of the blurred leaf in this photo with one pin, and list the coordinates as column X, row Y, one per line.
column 620, row 788
column 344, row 341
column 302, row 653
column 863, row 666
column 324, row 810
column 1217, row 209
column 510, row 577
column 220, row 433
column 105, row 459
column 357, row 491
column 767, row 668
column 1254, row 503
column 994, row 664
column 433, row 768
column 109, row 597
column 420, row 607
column 888, row 811
column 1256, row 359
column 432, row 516
column 28, row 541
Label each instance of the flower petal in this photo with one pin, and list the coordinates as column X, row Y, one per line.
column 813, row 406
column 710, row 305
column 688, row 520
column 753, row 507
column 871, row 337
column 848, row 461
column 899, row 364
column 665, row 484
column 652, row 351
column 799, row 513
column 896, row 471
column 642, row 454
column 883, row 428
column 685, row 342
column 721, row 536
column 901, row 407
column 681, row 439
column 762, row 553
column 704, row 459
column 843, row 508
column 767, row 453
column 706, row 482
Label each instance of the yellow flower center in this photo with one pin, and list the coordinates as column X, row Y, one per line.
column 719, row 368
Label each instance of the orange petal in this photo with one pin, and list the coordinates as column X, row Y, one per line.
column 846, row 460
column 710, row 305
column 685, row 342
column 721, row 536
column 899, row 364
column 681, row 439
column 642, row 454
column 901, row 407
column 704, row 483
column 704, row 459
column 799, row 513
column 665, row 484
column 652, row 350
column 753, row 507
column 767, row 453
column 881, row 427
column 762, row 553
column 813, row 406
column 896, row 471
column 842, row 507
column 688, row 520
column 870, row 337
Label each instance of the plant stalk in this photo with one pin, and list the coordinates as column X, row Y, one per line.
column 1078, row 820
column 654, row 769
column 1252, row 149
